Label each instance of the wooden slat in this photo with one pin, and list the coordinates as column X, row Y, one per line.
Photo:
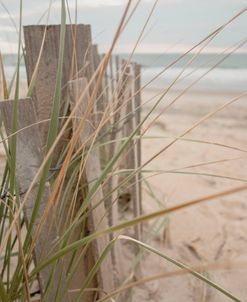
column 101, row 101
column 132, row 158
column 96, row 56
column 137, row 102
column 97, row 219
column 111, row 76
column 77, row 63
column 28, row 159
column 106, row 152
column 105, row 83
column 119, row 95
column 129, row 192
column 117, row 60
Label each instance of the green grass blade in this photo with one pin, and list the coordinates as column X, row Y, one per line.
column 3, row 293
column 53, row 129
column 182, row 266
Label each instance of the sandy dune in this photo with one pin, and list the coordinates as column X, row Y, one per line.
column 213, row 232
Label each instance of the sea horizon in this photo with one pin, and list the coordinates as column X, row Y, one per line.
column 219, row 71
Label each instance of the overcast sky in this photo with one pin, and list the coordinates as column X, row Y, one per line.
column 174, row 26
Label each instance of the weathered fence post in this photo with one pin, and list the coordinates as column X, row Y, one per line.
column 130, row 161
column 97, row 219
column 136, row 103
column 123, row 87
column 28, row 160
column 76, row 63
column 119, row 93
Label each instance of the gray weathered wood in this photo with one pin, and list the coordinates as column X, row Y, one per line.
column 119, row 95
column 101, row 100
column 137, row 101
column 105, row 104
column 117, row 60
column 132, row 156
column 129, row 191
column 28, row 160
column 76, row 63
column 96, row 56
column 111, row 76
column 131, row 160
column 97, row 219
column 105, row 83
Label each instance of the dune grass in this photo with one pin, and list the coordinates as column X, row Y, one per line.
column 18, row 272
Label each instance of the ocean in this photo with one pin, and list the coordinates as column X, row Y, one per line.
column 230, row 74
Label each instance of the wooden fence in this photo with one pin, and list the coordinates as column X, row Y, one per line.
column 118, row 94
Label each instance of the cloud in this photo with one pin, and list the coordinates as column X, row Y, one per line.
column 4, row 16
column 7, row 29
column 158, row 48
column 98, row 3
column 104, row 2
column 93, row 3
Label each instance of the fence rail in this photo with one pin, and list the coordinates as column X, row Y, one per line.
column 106, row 112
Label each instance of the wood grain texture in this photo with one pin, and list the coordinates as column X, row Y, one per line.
column 137, row 105
column 101, row 101
column 97, row 219
column 132, row 158
column 77, row 63
column 28, row 159
column 119, row 94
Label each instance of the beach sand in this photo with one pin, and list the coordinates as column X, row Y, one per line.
column 214, row 232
